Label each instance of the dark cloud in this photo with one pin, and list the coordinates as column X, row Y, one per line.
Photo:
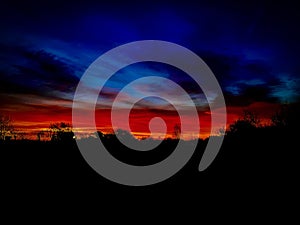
column 229, row 68
column 108, row 93
column 247, row 45
column 38, row 72
column 221, row 65
column 250, row 94
column 256, row 93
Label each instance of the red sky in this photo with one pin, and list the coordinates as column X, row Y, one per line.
column 42, row 60
column 32, row 121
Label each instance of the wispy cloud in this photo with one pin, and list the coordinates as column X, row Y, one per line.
column 287, row 89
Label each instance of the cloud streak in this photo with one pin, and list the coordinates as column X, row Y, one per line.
column 252, row 48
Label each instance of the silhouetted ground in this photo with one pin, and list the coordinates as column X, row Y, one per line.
column 256, row 166
column 254, row 175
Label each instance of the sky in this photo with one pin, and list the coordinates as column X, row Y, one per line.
column 252, row 48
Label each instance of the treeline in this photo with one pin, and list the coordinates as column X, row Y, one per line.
column 285, row 121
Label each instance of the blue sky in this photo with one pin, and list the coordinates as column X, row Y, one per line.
column 252, row 47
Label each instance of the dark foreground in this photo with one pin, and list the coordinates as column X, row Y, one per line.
column 259, row 168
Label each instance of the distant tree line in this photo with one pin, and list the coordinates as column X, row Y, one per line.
column 285, row 119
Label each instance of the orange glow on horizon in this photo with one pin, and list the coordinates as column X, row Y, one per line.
column 34, row 121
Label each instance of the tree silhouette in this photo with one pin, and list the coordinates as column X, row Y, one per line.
column 176, row 131
column 39, row 135
column 61, row 132
column 125, row 135
column 248, row 122
column 287, row 117
column 6, row 127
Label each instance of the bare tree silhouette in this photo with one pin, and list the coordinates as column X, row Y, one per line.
column 60, row 132
column 40, row 134
column 287, row 116
column 247, row 122
column 176, row 131
column 6, row 127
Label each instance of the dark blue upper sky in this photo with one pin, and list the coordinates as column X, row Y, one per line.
column 251, row 46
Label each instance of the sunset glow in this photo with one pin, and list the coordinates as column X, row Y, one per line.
column 42, row 65
column 31, row 122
